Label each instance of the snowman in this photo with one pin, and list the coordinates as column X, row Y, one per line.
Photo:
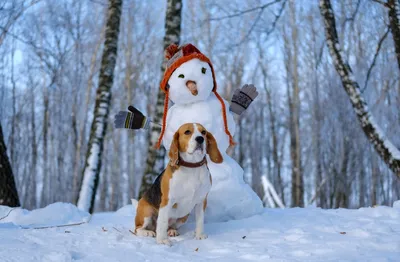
column 189, row 82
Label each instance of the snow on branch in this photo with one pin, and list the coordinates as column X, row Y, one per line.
column 270, row 194
column 386, row 150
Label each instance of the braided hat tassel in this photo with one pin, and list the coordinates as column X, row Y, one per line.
column 231, row 141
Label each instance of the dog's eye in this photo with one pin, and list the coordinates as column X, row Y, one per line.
column 187, row 132
column 203, row 132
column 203, row 70
column 181, row 76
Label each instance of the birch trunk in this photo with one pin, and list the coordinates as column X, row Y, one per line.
column 155, row 159
column 8, row 190
column 394, row 23
column 99, row 125
column 385, row 149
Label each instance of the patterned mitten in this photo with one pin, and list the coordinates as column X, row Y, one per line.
column 242, row 98
column 132, row 119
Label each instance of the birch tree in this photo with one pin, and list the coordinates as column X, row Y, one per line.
column 99, row 125
column 155, row 159
column 383, row 146
column 394, row 20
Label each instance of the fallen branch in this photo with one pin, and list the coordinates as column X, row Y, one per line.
column 270, row 193
column 66, row 225
column 9, row 212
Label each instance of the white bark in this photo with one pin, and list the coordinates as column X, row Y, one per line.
column 95, row 149
column 387, row 151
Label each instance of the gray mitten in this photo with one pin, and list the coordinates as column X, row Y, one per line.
column 242, row 98
column 132, row 119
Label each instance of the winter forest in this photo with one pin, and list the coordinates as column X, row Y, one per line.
column 307, row 135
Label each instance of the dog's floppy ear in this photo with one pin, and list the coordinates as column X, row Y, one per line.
column 174, row 150
column 212, row 149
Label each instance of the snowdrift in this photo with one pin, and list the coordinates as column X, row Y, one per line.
column 296, row 234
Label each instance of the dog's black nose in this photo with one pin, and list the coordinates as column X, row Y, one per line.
column 200, row 139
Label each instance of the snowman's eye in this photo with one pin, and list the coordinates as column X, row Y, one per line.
column 203, row 70
column 181, row 76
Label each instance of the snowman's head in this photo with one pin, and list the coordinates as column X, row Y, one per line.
column 191, row 82
column 188, row 77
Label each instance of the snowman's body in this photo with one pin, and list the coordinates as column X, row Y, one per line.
column 230, row 197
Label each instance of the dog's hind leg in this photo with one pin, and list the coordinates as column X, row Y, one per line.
column 144, row 219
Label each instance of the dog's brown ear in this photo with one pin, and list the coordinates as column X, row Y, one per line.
column 212, row 149
column 174, row 150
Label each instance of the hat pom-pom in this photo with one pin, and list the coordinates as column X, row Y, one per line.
column 171, row 50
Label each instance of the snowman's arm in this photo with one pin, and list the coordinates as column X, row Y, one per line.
column 132, row 119
column 242, row 98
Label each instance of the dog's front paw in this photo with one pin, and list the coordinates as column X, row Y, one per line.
column 201, row 236
column 173, row 232
column 164, row 241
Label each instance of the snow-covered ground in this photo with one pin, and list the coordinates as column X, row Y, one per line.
column 298, row 234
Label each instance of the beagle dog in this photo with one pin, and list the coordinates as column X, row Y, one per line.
column 180, row 188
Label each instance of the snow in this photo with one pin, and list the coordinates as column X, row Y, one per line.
column 89, row 176
column 191, row 70
column 230, row 197
column 394, row 152
column 52, row 215
column 297, row 234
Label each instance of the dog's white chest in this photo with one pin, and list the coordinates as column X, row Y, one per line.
column 188, row 187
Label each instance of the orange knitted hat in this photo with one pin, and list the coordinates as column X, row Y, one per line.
column 176, row 56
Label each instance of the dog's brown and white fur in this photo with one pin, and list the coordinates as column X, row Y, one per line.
column 179, row 189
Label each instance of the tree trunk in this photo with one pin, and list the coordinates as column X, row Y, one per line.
column 99, row 125
column 8, row 190
column 155, row 159
column 394, row 23
column 295, row 150
column 278, row 182
column 44, row 197
column 77, row 176
column 130, row 96
column 30, row 194
column 385, row 149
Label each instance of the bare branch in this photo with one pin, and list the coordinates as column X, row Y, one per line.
column 262, row 7
column 269, row 31
column 374, row 59
column 11, row 21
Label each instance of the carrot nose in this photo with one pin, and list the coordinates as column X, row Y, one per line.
column 191, row 85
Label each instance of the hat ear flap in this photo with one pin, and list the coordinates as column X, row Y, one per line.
column 174, row 150
column 171, row 50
